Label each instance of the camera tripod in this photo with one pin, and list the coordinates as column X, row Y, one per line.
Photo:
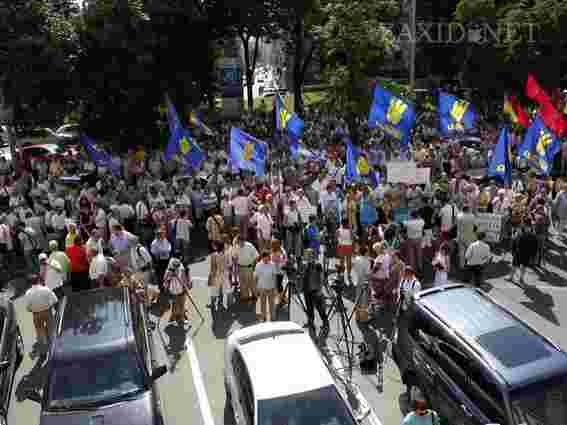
column 344, row 317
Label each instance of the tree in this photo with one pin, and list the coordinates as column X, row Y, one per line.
column 251, row 21
column 531, row 37
column 354, row 40
column 37, row 55
column 298, row 22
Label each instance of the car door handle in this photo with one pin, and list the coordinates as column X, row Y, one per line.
column 466, row 410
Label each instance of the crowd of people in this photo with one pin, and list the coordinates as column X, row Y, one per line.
column 140, row 228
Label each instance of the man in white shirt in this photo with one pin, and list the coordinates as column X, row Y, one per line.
column 414, row 228
column 247, row 256
column 98, row 268
column 448, row 216
column 477, row 256
column 466, row 224
column 39, row 300
column 293, row 225
column 328, row 197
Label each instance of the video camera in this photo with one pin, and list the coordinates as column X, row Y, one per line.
column 338, row 285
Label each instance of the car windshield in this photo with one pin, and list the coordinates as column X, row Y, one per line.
column 318, row 407
column 543, row 403
column 94, row 380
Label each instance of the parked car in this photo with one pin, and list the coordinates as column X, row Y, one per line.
column 477, row 363
column 101, row 365
column 66, row 133
column 11, row 354
column 274, row 373
column 39, row 151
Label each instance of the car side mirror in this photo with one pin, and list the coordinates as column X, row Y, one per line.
column 4, row 364
column 158, row 372
column 34, row 395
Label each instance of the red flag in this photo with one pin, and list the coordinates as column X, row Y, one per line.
column 535, row 92
column 513, row 108
column 553, row 119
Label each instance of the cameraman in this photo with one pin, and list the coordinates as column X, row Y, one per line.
column 313, row 291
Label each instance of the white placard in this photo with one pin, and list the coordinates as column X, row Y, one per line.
column 491, row 224
column 407, row 172
column 401, row 171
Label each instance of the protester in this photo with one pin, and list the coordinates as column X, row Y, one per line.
column 265, row 274
column 39, row 300
column 477, row 256
column 78, row 265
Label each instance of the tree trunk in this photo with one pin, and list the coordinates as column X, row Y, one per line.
column 297, row 77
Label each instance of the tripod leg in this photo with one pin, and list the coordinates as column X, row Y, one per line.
column 195, row 307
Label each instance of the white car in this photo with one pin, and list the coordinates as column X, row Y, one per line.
column 274, row 374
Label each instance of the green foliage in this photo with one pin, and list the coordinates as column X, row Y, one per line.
column 37, row 56
column 354, row 39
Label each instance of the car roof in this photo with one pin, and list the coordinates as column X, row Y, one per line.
column 96, row 320
column 518, row 353
column 273, row 366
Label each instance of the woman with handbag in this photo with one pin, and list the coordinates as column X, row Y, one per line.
column 279, row 259
column 176, row 282
column 219, row 277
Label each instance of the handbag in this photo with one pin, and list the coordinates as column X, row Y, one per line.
column 453, row 230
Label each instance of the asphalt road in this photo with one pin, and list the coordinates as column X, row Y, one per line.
column 193, row 391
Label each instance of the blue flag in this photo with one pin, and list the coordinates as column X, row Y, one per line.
column 300, row 152
column 100, row 157
column 540, row 146
column 180, row 140
column 500, row 164
column 247, row 152
column 287, row 121
column 393, row 115
column 455, row 115
column 357, row 166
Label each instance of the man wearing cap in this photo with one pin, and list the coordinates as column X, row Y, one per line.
column 39, row 300
column 247, row 256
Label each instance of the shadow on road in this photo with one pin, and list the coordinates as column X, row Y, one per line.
column 239, row 314
column 540, row 303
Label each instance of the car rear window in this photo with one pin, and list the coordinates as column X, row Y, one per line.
column 515, row 346
column 468, row 312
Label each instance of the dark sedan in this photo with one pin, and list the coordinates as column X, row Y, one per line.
column 101, row 366
column 11, row 353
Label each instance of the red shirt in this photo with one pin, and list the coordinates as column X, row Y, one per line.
column 77, row 258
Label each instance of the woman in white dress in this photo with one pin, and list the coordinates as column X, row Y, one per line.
column 441, row 265
column 220, row 289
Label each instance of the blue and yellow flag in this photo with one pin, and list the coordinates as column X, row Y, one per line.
column 288, row 121
column 195, row 120
column 455, row 115
column 299, row 152
column 100, row 157
column 180, row 140
column 357, row 164
column 247, row 152
column 500, row 165
column 540, row 146
column 394, row 116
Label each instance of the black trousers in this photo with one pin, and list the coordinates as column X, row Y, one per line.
column 475, row 274
column 314, row 300
column 161, row 267
column 80, row 281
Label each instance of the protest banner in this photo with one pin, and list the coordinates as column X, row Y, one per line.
column 407, row 172
column 491, row 224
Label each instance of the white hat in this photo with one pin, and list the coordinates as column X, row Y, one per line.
column 42, row 256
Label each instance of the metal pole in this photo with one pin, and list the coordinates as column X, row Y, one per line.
column 412, row 43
